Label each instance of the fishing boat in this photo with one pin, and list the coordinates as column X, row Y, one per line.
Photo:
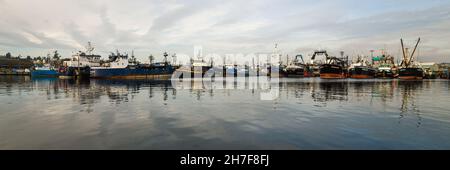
column 312, row 69
column 360, row 69
column 296, row 68
column 332, row 71
column 44, row 71
column 385, row 71
column 362, row 72
column 80, row 64
column 411, row 74
column 409, row 70
column 334, row 68
column 386, row 67
column 119, row 67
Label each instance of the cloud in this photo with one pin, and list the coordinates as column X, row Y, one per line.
column 152, row 27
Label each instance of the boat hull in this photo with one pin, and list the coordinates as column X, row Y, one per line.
column 361, row 76
column 330, row 71
column 362, row 73
column 297, row 72
column 332, row 76
column 312, row 71
column 411, row 74
column 44, row 73
column 68, row 72
column 410, row 77
column 133, row 73
column 385, row 74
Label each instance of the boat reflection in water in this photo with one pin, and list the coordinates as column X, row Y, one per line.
column 309, row 113
column 409, row 102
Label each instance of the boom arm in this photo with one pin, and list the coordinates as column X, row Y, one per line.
column 414, row 50
column 301, row 57
column 404, row 55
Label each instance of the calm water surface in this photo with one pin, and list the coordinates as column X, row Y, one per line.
column 308, row 114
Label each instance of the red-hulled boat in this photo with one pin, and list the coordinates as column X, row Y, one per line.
column 334, row 68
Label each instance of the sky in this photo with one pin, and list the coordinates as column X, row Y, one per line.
column 147, row 27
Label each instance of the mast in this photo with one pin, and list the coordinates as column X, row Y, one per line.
column 174, row 58
column 371, row 56
column 407, row 62
column 78, row 63
column 89, row 49
column 165, row 57
column 276, row 54
column 287, row 59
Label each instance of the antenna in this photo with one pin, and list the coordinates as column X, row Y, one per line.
column 174, row 58
column 371, row 56
column 165, row 56
column 89, row 48
column 287, row 59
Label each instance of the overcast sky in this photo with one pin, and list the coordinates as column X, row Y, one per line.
column 35, row 27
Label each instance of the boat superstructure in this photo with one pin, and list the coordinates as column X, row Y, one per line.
column 80, row 63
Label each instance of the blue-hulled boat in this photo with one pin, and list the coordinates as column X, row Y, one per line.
column 44, row 72
column 119, row 67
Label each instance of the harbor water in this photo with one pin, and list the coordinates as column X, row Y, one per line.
column 307, row 113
